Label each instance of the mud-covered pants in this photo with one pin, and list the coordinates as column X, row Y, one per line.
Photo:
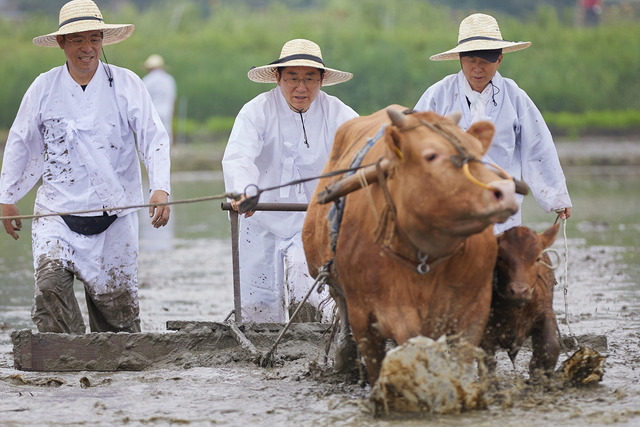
column 105, row 263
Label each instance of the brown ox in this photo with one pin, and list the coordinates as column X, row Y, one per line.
column 522, row 304
column 426, row 207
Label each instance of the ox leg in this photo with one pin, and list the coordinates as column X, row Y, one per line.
column 371, row 345
column 546, row 347
column 346, row 357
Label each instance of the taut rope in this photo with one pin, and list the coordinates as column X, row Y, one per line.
column 566, row 282
column 234, row 196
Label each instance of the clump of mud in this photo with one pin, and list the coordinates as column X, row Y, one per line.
column 584, row 367
column 427, row 376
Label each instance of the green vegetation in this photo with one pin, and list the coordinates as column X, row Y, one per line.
column 574, row 125
column 582, row 79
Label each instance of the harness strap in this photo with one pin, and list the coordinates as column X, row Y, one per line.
column 387, row 229
column 337, row 209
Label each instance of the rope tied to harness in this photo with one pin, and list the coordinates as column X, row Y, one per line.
column 249, row 203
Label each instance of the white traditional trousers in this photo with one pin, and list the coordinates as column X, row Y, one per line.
column 105, row 263
column 274, row 275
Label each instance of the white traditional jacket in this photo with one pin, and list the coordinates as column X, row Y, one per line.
column 522, row 145
column 83, row 144
column 267, row 148
column 162, row 88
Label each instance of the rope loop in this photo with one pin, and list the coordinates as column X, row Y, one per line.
column 555, row 265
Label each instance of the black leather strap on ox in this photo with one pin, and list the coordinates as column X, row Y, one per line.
column 337, row 209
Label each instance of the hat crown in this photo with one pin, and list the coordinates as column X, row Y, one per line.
column 154, row 61
column 76, row 9
column 479, row 25
column 479, row 32
column 77, row 16
column 298, row 53
column 300, row 47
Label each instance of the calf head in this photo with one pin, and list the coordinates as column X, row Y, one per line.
column 519, row 262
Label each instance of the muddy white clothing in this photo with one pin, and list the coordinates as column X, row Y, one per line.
column 266, row 148
column 522, row 145
column 162, row 88
column 82, row 144
column 106, row 263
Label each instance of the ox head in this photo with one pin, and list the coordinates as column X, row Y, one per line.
column 440, row 184
column 522, row 262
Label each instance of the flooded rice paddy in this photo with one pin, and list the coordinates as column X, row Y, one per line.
column 185, row 274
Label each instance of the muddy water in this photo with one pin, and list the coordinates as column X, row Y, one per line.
column 185, row 274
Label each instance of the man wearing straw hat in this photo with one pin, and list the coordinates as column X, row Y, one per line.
column 280, row 136
column 522, row 145
column 77, row 129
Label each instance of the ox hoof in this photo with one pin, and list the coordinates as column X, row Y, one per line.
column 346, row 357
column 307, row 313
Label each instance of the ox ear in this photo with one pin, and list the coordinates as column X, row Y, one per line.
column 549, row 236
column 484, row 132
column 392, row 139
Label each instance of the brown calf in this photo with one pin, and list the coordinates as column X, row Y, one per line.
column 522, row 300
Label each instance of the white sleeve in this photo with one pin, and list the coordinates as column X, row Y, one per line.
column 245, row 144
column 23, row 162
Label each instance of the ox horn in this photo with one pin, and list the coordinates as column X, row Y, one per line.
column 454, row 117
column 397, row 118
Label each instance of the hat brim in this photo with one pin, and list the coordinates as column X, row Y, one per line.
column 113, row 33
column 267, row 73
column 470, row 46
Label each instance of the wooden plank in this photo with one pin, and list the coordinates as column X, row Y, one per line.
column 192, row 343
column 110, row 351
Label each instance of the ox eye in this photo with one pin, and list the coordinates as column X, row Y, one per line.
column 431, row 157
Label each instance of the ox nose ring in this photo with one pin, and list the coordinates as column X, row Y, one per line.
column 467, row 173
column 521, row 186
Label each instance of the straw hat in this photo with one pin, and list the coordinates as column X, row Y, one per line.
column 298, row 53
column 154, row 61
column 83, row 15
column 479, row 32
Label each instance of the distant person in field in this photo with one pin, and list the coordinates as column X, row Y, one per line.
column 82, row 129
column 162, row 88
column 591, row 12
column 522, row 145
column 282, row 135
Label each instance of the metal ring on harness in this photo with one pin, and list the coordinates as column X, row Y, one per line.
column 423, row 267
